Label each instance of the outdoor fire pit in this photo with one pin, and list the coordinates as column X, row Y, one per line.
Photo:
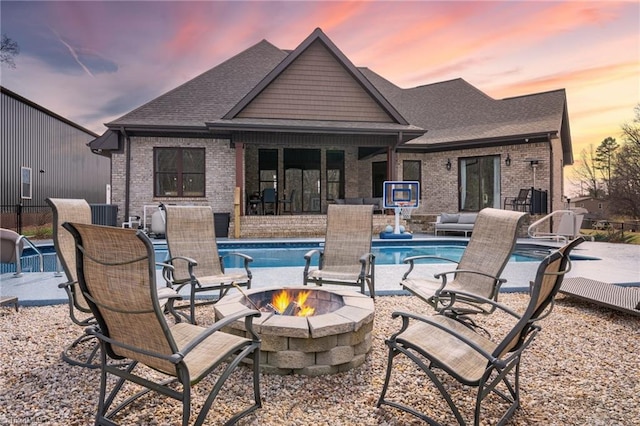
column 305, row 330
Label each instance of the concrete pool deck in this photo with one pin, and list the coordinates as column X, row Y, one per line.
column 616, row 264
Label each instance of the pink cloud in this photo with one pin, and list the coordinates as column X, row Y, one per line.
column 575, row 78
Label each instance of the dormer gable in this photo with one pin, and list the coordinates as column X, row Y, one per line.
column 316, row 82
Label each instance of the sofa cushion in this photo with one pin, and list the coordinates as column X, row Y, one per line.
column 467, row 218
column 377, row 202
column 449, row 218
column 353, row 200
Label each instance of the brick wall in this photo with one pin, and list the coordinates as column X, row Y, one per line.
column 219, row 184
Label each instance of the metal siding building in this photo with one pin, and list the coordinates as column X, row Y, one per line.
column 56, row 150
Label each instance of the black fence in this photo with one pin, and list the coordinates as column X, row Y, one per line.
column 19, row 217
column 610, row 225
column 539, row 202
column 529, row 200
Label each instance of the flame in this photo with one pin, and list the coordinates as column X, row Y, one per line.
column 283, row 299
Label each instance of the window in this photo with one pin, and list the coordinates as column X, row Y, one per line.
column 335, row 174
column 25, row 183
column 378, row 176
column 411, row 170
column 479, row 183
column 268, row 168
column 179, row 172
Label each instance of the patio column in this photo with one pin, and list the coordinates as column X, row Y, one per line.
column 240, row 174
column 391, row 163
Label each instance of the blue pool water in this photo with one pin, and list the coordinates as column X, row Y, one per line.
column 288, row 254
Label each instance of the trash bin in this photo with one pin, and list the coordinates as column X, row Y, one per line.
column 221, row 224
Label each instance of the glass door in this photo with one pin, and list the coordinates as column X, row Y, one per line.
column 479, row 183
column 302, row 173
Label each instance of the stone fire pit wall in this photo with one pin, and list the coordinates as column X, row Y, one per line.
column 322, row 344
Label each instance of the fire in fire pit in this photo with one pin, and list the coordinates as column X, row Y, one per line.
column 283, row 303
column 295, row 302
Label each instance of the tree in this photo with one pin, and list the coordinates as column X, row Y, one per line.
column 8, row 49
column 586, row 174
column 604, row 160
column 631, row 131
column 625, row 180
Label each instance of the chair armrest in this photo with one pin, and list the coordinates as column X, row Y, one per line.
column 366, row 259
column 247, row 259
column 248, row 314
column 67, row 285
column 481, row 299
column 168, row 269
column 443, row 275
column 309, row 255
column 411, row 261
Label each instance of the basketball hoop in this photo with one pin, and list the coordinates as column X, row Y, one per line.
column 406, row 209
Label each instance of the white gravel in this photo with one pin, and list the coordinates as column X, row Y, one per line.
column 583, row 369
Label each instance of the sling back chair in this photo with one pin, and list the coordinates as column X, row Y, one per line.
column 269, row 201
column 478, row 273
column 193, row 255
column 444, row 348
column 346, row 258
column 117, row 275
column 73, row 210
column 79, row 211
column 284, row 202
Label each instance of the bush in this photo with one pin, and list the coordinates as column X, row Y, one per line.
column 39, row 232
column 614, row 236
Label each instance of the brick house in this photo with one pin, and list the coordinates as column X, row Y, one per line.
column 309, row 120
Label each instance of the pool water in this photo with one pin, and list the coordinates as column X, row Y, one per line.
column 291, row 254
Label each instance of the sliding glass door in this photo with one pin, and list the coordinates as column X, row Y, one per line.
column 479, row 183
column 302, row 173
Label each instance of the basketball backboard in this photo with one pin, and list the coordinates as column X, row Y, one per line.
column 401, row 194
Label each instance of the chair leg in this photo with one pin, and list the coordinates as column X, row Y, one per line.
column 255, row 351
column 93, row 351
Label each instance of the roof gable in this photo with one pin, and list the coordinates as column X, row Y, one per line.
column 316, row 82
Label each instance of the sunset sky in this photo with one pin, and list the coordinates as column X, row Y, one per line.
column 92, row 62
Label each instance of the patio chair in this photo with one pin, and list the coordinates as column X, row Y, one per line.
column 269, row 201
column 117, row 274
column 478, row 273
column 11, row 249
column 287, row 202
column 193, row 255
column 79, row 211
column 522, row 202
column 444, row 348
column 346, row 258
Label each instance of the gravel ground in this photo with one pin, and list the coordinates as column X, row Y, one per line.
column 582, row 369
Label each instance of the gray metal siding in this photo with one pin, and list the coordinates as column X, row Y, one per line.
column 32, row 137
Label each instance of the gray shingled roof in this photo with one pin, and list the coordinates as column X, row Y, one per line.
column 451, row 111
column 210, row 95
column 456, row 111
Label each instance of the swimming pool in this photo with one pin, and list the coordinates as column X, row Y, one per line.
column 291, row 254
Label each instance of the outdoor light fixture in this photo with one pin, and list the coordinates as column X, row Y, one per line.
column 507, row 160
column 448, row 165
column 533, row 163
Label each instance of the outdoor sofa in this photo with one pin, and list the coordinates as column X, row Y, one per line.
column 374, row 201
column 458, row 222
